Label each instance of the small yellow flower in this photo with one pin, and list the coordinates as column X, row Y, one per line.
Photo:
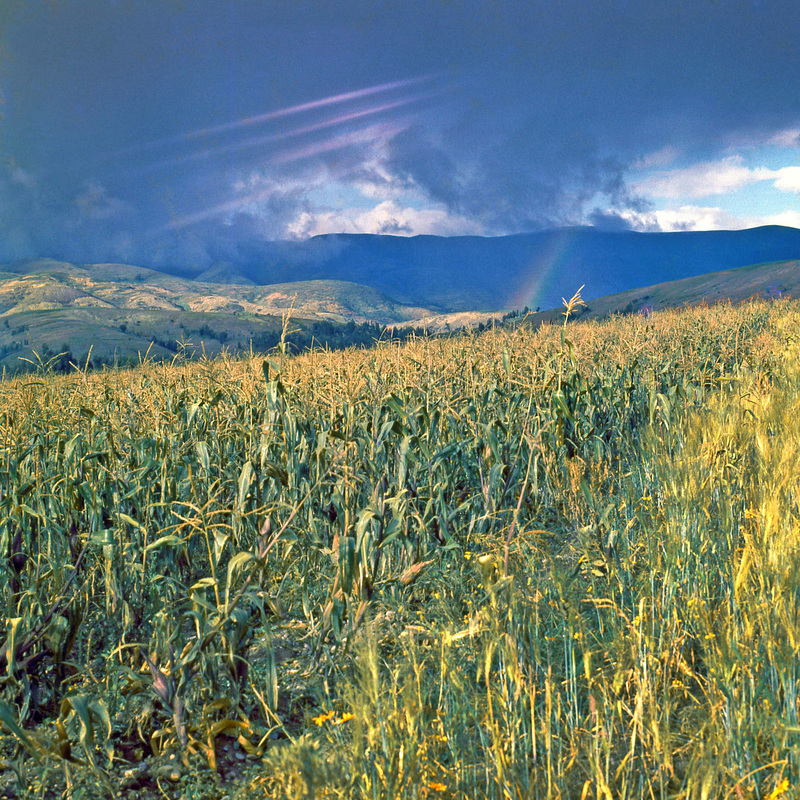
column 779, row 790
column 436, row 786
column 468, row 555
column 344, row 718
column 322, row 718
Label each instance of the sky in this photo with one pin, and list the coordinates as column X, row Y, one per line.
column 187, row 132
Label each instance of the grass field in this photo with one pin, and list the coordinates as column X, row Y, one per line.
column 551, row 563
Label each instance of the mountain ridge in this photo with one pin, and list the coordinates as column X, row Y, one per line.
column 119, row 309
column 468, row 273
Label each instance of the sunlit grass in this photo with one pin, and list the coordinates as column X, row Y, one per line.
column 553, row 563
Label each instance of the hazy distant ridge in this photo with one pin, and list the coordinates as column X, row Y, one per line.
column 465, row 273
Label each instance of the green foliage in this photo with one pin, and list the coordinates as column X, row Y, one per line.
column 522, row 563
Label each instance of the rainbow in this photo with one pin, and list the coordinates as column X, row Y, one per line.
column 540, row 277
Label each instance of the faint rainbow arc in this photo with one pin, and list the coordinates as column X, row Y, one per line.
column 540, row 274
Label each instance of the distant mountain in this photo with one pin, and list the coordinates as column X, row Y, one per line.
column 435, row 282
column 467, row 273
column 123, row 311
column 473, row 273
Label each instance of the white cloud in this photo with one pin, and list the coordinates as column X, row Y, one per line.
column 752, row 140
column 790, row 137
column 387, row 217
column 660, row 158
column 788, row 179
column 700, row 218
column 708, row 218
column 789, row 218
column 379, row 183
column 702, row 180
column 714, row 178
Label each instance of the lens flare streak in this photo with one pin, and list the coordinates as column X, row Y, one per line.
column 280, row 113
column 310, row 106
column 263, row 141
column 369, row 135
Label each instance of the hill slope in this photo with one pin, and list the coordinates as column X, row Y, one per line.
column 770, row 281
column 119, row 310
column 46, row 283
column 467, row 273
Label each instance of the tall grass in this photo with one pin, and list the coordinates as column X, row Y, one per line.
column 553, row 563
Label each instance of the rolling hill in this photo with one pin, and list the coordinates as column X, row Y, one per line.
column 122, row 311
column 48, row 284
column 770, row 281
column 468, row 273
column 442, row 284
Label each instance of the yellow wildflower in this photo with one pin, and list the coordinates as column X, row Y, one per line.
column 322, row 718
column 779, row 790
column 344, row 718
column 436, row 786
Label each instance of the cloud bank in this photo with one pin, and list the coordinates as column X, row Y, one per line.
column 178, row 134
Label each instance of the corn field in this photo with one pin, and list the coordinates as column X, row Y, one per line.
column 553, row 563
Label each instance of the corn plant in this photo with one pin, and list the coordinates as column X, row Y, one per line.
column 527, row 563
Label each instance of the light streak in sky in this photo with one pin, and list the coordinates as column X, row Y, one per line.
column 345, row 127
column 358, row 94
column 369, row 135
column 363, row 136
column 261, row 141
column 218, row 210
column 280, row 113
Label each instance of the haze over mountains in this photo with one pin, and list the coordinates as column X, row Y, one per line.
column 468, row 273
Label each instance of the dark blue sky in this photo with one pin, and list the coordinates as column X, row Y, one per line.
column 181, row 133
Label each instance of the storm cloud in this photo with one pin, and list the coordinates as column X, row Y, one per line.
column 179, row 134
